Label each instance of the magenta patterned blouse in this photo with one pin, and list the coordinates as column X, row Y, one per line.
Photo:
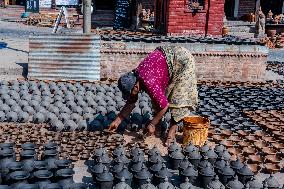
column 153, row 72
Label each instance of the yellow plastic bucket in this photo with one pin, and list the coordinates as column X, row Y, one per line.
column 195, row 130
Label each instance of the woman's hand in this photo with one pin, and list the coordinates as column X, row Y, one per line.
column 114, row 125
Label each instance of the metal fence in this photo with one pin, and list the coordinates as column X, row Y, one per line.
column 64, row 57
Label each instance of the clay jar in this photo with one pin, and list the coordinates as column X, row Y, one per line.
column 215, row 184
column 255, row 184
column 124, row 173
column 42, row 177
column 64, row 177
column 190, row 173
column 97, row 169
column 212, row 156
column 53, row 186
column 235, row 184
column 175, row 158
column 245, row 174
column 206, row 175
column 142, row 176
column 226, row 174
column 162, row 174
column 28, row 158
column 153, row 159
column 50, row 156
column 7, row 156
column 105, row 179
column 184, row 164
column 17, row 178
column 236, row 165
column 63, row 163
column 11, row 167
column 194, row 158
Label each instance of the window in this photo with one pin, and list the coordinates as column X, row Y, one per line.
column 196, row 4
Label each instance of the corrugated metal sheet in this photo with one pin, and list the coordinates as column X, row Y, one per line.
column 64, row 57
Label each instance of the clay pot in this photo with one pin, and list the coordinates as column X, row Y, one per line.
column 269, row 151
column 50, row 156
column 190, row 173
column 194, row 158
column 272, row 159
column 97, row 169
column 226, row 174
column 245, row 174
column 206, row 175
column 235, row 184
column 162, row 174
column 271, row 168
column 249, row 150
column 7, row 155
column 64, row 177
column 17, row 178
column 255, row 168
column 272, row 182
column 175, row 158
column 260, row 144
column 142, row 176
column 42, row 177
column 124, row 173
column 105, row 179
column 255, row 184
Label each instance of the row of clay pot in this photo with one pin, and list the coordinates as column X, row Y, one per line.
column 200, row 168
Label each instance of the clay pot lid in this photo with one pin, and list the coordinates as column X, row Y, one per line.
column 255, row 184
column 20, row 175
column 157, row 166
column 153, row 151
column 15, row 165
column 164, row 172
column 122, row 185
column 177, row 154
column 104, row 157
column 235, row 184
column 28, row 146
column 219, row 148
column 40, row 164
column 215, row 184
column 237, row 164
column 272, row 182
column 220, row 163
column 137, row 166
column 99, row 151
column 194, row 155
column 118, row 151
column 173, row 147
column 124, row 173
column 139, row 157
column 98, row 167
column 245, row 170
column 105, row 176
column 260, row 144
column 186, row 184
column 143, row 174
column 6, row 152
column 203, row 162
column 148, row 185
column 184, row 163
column 189, row 171
column 269, row 151
column 43, row 174
column 205, row 148
column 208, row 170
column 155, row 158
column 117, row 167
column 123, row 158
column 227, row 170
column 254, row 158
column 63, row 162
column 28, row 153
column 166, row 184
column 211, row 154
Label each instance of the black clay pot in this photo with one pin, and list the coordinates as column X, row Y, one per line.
column 215, row 184
column 219, row 165
column 226, row 174
column 212, row 156
column 191, row 173
column 156, row 167
column 235, row 184
column 142, row 176
column 118, row 151
column 42, row 177
column 206, row 175
column 166, row 184
column 40, row 165
column 175, row 158
column 105, row 179
column 77, row 186
column 28, row 186
column 64, row 177
column 186, row 184
column 122, row 184
column 245, row 174
column 194, row 157
column 27, row 158
column 272, row 182
column 153, row 159
column 163, row 174
column 135, row 168
column 173, row 147
column 53, row 186
column 184, row 164
column 189, row 148
column 255, row 184
column 154, row 151
column 97, row 169
column 17, row 178
column 139, row 157
column 117, row 167
column 11, row 167
column 7, row 155
column 105, row 159
column 50, row 146
column 63, row 163
column 124, row 173
column 5, row 187
column 236, row 165
column 50, row 156
column 28, row 146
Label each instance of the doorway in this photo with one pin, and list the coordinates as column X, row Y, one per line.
column 104, row 4
column 275, row 6
column 229, row 8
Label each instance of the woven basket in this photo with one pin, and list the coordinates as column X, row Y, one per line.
column 195, row 130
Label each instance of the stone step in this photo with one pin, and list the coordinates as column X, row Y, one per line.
column 238, row 23
column 241, row 29
column 242, row 34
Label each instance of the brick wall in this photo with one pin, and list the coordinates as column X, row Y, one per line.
column 246, row 7
column 222, row 62
column 182, row 20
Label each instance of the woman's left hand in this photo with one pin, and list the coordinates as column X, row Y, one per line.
column 151, row 129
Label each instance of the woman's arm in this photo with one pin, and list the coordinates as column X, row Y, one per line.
column 159, row 116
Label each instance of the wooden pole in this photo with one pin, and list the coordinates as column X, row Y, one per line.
column 87, row 11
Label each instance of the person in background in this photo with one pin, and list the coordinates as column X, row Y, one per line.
column 168, row 76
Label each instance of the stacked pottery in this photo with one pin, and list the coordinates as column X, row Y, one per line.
column 97, row 169
column 121, row 185
column 163, row 174
column 226, row 174
column 235, row 184
column 42, row 178
column 64, row 177
column 125, row 174
column 215, row 184
column 166, row 184
column 105, row 179
column 190, row 174
column 206, row 175
column 142, row 176
column 245, row 174
column 186, row 184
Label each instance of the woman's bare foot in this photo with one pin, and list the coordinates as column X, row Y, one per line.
column 171, row 136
